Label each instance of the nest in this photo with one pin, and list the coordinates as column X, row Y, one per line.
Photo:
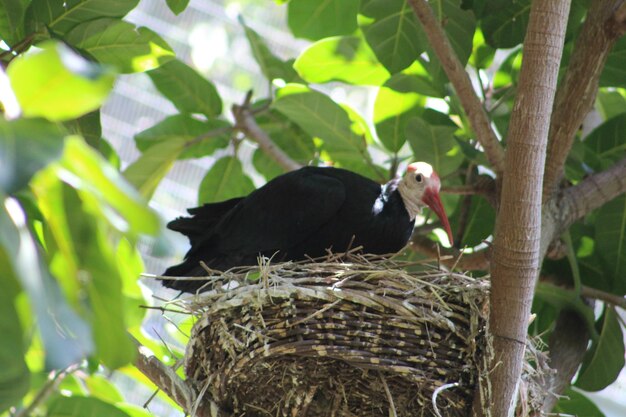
column 347, row 337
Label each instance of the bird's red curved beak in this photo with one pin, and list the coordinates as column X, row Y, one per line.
column 431, row 199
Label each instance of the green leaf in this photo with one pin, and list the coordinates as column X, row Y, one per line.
column 314, row 19
column 121, row 44
column 480, row 222
column 15, row 376
column 321, row 117
column 614, row 72
column 83, row 407
column 435, row 144
column 606, row 144
column 605, row 360
column 610, row 241
column 611, row 103
column 271, row 66
column 146, row 173
column 188, row 90
column 482, row 54
column 89, row 171
column 505, row 24
column 177, row 6
column 183, row 126
column 69, row 87
column 576, row 404
column 458, row 24
column 26, row 146
column 65, row 335
column 393, row 33
column 225, row 180
column 12, row 20
column 61, row 16
column 88, row 126
column 103, row 389
column 348, row 59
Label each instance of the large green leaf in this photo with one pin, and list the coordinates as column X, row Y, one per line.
column 315, row 19
column 177, row 6
column 194, row 132
column 271, row 66
column 321, row 117
column 69, row 87
column 392, row 32
column 15, row 376
column 610, row 241
column 83, row 407
column 606, row 144
column 342, row 58
column 435, row 144
column 225, row 180
column 65, row 335
column 611, row 103
column 614, row 73
column 504, row 26
column 152, row 166
column 12, row 20
column 573, row 403
column 605, row 360
column 61, row 16
column 26, row 146
column 188, row 90
column 480, row 222
column 459, row 25
column 121, row 44
column 88, row 126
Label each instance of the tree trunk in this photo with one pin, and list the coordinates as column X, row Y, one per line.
column 516, row 257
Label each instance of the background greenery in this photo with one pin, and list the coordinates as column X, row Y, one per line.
column 71, row 218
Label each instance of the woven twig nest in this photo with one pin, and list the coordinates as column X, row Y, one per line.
column 353, row 337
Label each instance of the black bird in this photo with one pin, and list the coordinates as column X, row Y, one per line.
column 303, row 214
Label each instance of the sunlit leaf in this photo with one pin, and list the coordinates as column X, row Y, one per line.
column 195, row 133
column 12, row 20
column 611, row 103
column 314, row 19
column 103, row 389
column 61, row 16
column 321, row 117
column 605, row 360
column 26, row 146
column 576, row 404
column 435, row 144
column 224, row 180
column 186, row 89
column 610, row 241
column 271, row 66
column 121, row 44
column 69, row 87
column 177, row 6
column 393, row 32
column 83, row 407
column 348, row 59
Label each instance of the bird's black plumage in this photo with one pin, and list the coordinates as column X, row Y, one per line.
column 296, row 215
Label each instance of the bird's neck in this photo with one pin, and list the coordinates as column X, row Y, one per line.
column 411, row 204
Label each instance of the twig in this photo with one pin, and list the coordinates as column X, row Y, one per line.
column 591, row 193
column 46, row 390
column 476, row 261
column 436, row 394
column 606, row 297
column 576, row 95
column 246, row 124
column 462, row 84
column 392, row 406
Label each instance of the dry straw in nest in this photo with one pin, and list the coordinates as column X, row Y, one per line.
column 354, row 336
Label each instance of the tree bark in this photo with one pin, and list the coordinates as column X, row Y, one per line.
column 516, row 258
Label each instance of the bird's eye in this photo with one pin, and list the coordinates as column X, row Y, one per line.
column 419, row 178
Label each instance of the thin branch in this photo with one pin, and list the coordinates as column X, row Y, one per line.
column 591, row 193
column 461, row 83
column 246, row 124
column 44, row 393
column 612, row 299
column 451, row 257
column 576, row 94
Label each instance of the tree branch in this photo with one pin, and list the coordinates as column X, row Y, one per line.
column 246, row 124
column 576, row 95
column 516, row 247
column 461, row 83
column 596, row 294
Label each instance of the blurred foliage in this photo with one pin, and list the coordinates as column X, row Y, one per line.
column 70, row 220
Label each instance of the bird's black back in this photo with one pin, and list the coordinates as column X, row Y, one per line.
column 297, row 215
